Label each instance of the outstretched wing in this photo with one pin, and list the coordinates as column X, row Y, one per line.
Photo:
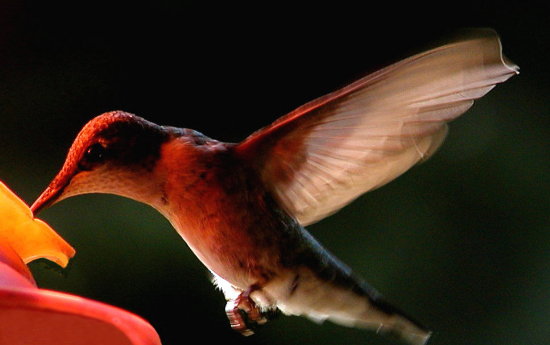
column 326, row 153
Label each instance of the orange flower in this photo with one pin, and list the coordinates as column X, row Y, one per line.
column 29, row 315
column 30, row 238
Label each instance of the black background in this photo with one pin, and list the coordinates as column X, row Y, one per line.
column 460, row 242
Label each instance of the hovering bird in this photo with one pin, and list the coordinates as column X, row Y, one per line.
column 242, row 207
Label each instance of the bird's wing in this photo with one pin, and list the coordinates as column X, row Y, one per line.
column 326, row 153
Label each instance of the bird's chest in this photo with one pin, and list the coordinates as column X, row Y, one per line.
column 231, row 229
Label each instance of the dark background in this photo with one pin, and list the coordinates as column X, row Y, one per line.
column 460, row 242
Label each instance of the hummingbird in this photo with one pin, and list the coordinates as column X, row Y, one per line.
column 242, row 207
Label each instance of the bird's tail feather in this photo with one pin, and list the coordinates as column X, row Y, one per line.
column 396, row 324
column 387, row 320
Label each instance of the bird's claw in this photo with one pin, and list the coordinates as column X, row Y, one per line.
column 241, row 310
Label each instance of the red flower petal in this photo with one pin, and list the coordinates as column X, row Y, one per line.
column 34, row 316
column 29, row 315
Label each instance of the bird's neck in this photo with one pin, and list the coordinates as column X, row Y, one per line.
column 193, row 173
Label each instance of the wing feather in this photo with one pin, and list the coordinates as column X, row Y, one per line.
column 327, row 152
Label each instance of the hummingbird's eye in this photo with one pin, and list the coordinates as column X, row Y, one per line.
column 93, row 155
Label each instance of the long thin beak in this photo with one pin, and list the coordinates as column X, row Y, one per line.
column 49, row 196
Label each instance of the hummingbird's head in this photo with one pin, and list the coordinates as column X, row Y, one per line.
column 115, row 153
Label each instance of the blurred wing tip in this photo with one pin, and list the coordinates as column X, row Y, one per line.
column 492, row 34
column 487, row 34
column 512, row 67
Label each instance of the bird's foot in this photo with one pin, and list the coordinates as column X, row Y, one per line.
column 243, row 309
